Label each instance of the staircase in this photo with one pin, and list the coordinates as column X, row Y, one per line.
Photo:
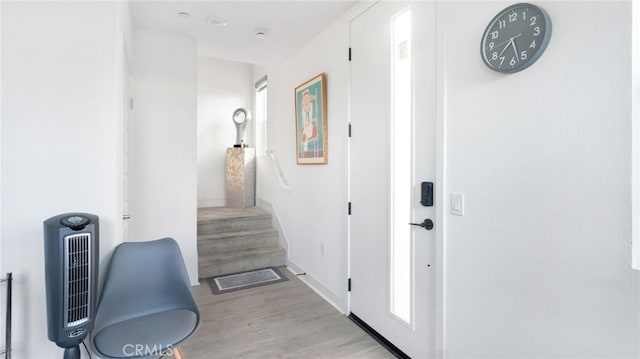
column 234, row 240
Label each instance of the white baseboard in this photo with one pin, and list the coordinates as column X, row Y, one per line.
column 316, row 286
column 308, row 279
column 277, row 224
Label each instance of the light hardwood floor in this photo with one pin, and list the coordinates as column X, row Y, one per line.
column 280, row 320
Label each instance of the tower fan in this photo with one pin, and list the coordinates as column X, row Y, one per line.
column 71, row 276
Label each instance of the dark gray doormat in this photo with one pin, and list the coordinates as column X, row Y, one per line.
column 255, row 278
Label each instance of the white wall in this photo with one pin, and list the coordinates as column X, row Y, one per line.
column 223, row 86
column 3, row 302
column 635, row 179
column 539, row 266
column 163, row 195
column 61, row 112
column 1, row 264
column 314, row 211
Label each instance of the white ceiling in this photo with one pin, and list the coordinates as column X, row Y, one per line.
column 290, row 24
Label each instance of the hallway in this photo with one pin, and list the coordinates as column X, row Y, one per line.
column 281, row 320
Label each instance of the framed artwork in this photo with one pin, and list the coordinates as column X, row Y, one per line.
column 311, row 122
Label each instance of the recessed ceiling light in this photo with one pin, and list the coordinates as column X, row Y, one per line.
column 217, row 21
column 261, row 33
column 184, row 14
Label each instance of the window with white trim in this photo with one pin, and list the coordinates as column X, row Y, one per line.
column 261, row 117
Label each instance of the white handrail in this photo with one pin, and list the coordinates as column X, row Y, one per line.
column 284, row 184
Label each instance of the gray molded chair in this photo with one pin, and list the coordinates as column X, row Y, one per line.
column 147, row 307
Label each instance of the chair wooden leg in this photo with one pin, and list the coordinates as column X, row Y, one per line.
column 178, row 354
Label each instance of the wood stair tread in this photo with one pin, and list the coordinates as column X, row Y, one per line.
column 234, row 240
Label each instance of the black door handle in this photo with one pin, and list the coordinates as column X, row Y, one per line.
column 426, row 224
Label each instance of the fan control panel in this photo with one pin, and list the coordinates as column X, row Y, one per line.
column 75, row 222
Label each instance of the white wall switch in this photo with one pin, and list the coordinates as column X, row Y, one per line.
column 457, row 203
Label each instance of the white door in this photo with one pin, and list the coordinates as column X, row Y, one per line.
column 392, row 151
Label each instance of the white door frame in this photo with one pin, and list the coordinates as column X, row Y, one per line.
column 441, row 155
column 127, row 128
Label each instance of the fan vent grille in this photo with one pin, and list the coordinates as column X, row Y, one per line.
column 77, row 279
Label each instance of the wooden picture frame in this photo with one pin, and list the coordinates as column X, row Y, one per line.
column 311, row 121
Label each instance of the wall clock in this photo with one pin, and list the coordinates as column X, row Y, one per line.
column 515, row 38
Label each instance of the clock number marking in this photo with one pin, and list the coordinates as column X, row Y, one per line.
column 502, row 59
column 513, row 16
column 491, row 45
column 513, row 61
column 502, row 23
column 533, row 44
column 494, row 56
column 536, row 31
column 494, row 35
column 533, row 20
column 523, row 55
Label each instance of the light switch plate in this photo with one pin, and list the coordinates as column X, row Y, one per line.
column 457, row 203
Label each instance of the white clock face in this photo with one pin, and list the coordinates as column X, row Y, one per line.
column 515, row 38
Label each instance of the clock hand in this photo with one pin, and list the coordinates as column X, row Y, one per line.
column 511, row 38
column 515, row 49
column 506, row 47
